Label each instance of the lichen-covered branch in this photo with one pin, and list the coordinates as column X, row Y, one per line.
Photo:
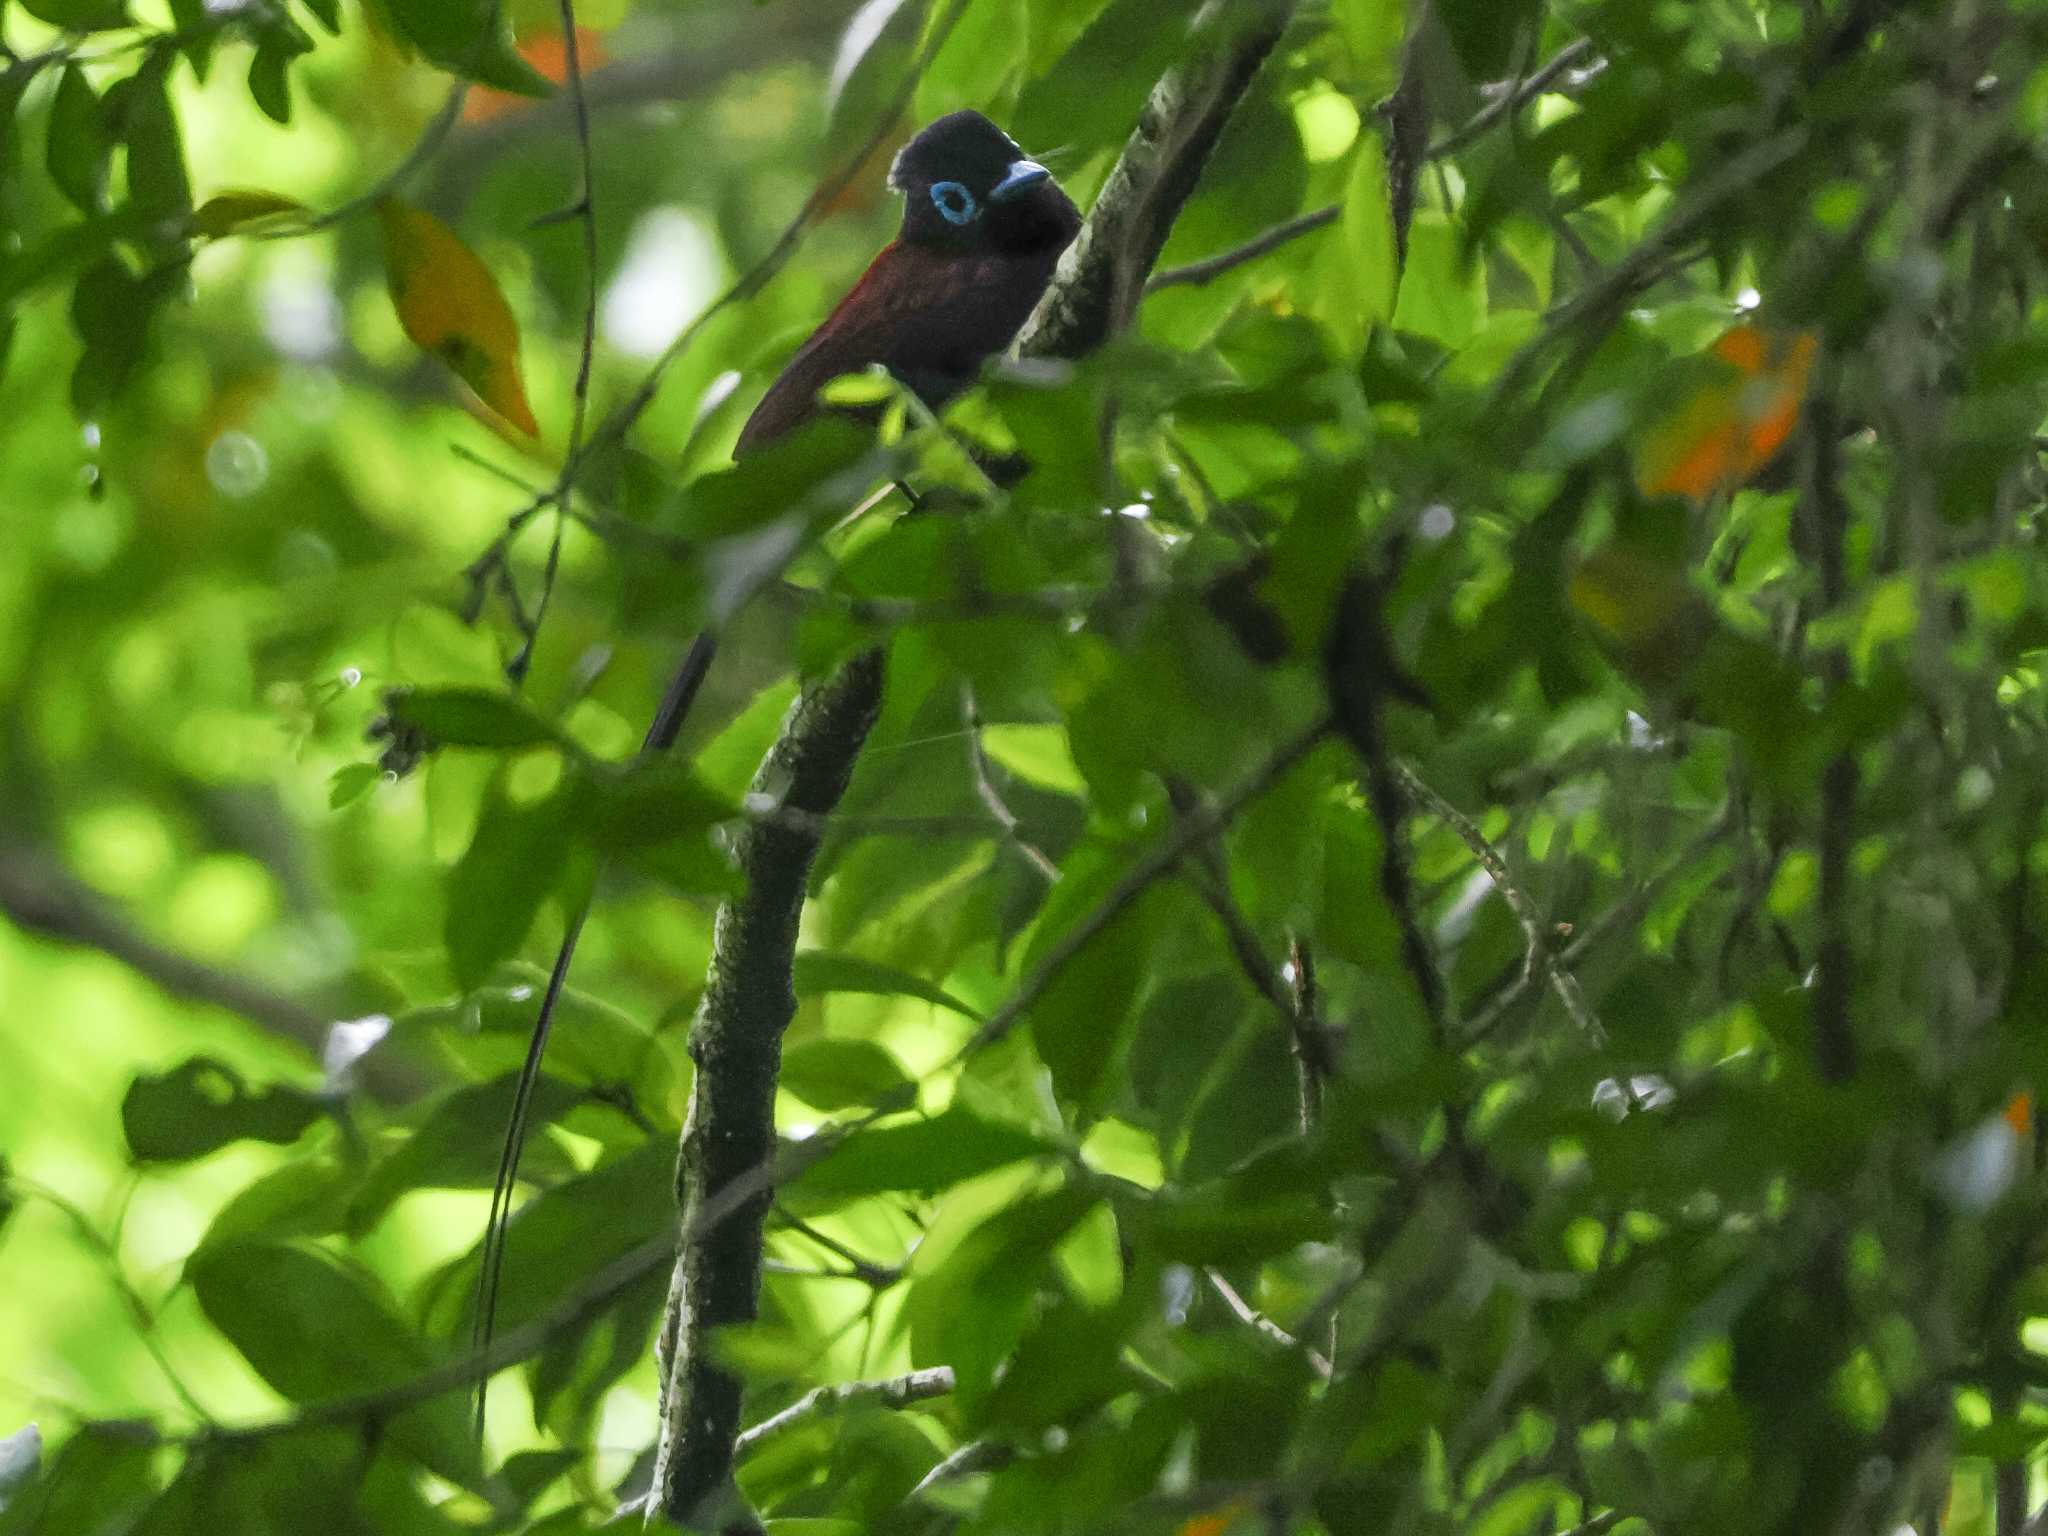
column 749, row 999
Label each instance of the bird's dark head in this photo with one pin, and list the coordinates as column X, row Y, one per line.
column 967, row 186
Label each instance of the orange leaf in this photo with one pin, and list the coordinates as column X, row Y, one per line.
column 2019, row 1114
column 544, row 51
column 1729, row 424
column 451, row 306
column 1216, row 1522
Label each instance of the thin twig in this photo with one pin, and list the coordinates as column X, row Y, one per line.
column 991, row 797
column 1189, row 833
column 108, row 1253
column 1522, row 92
column 896, row 1392
column 1294, row 1004
column 975, row 1456
column 1256, row 1320
column 41, row 897
column 877, row 1275
column 1489, row 1018
column 424, row 148
column 585, row 212
column 1541, row 951
column 1213, row 267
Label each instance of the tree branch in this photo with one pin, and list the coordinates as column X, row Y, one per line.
column 736, row 1041
column 43, row 899
column 896, row 1392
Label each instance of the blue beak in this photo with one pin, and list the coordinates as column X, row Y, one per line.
column 1021, row 177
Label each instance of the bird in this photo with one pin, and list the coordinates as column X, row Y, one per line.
column 983, row 229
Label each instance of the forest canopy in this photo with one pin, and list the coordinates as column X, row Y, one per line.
column 1389, row 878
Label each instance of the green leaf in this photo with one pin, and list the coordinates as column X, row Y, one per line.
column 1082, row 1023
column 1220, row 1225
column 1368, row 225
column 971, row 1310
column 307, row 1197
column 841, row 1074
column 817, row 972
column 315, row 1328
column 597, row 1045
column 647, row 803
column 979, row 59
column 1524, row 1507
column 202, row 1105
column 79, row 142
column 471, row 38
column 1373, row 31
column 473, row 717
column 99, row 1481
column 158, row 187
column 512, row 864
column 560, row 1238
column 1487, row 34
column 260, row 1489
column 79, row 15
column 456, row 1145
column 111, row 309
column 270, row 79
column 921, row 1156
column 1091, row 96
column 350, row 782
column 1443, row 294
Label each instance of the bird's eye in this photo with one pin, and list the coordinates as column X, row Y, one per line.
column 954, row 202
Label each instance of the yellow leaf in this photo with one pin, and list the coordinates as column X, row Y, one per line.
column 227, row 212
column 1643, row 612
column 450, row 306
column 1728, row 425
column 1216, row 1522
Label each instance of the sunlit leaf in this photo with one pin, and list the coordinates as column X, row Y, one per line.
column 314, row 1327
column 925, row 1155
column 496, row 888
column 841, row 1074
column 451, row 306
column 820, row 971
column 228, row 214
column 1373, row 31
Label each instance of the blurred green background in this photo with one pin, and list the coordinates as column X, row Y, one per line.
column 1672, row 376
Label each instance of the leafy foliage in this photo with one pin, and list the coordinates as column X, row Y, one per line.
column 1442, row 926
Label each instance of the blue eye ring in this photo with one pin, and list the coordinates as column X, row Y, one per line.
column 954, row 202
